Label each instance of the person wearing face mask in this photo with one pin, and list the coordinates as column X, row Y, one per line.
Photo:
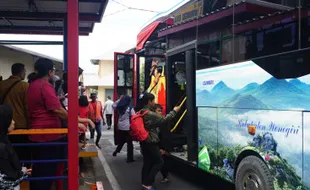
column 45, row 111
column 11, row 172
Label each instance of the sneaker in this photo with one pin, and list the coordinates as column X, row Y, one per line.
column 130, row 161
column 114, row 153
column 166, row 180
column 98, row 146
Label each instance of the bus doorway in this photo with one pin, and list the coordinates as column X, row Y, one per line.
column 124, row 81
column 181, row 90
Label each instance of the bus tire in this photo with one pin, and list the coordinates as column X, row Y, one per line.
column 253, row 174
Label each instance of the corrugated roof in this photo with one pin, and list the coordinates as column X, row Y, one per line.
column 47, row 16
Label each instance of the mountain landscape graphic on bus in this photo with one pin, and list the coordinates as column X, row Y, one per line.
column 271, row 94
column 232, row 97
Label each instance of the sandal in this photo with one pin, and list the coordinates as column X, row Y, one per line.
column 145, row 188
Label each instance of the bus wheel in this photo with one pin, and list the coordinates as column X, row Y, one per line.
column 253, row 174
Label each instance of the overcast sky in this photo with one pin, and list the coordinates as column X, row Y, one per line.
column 116, row 32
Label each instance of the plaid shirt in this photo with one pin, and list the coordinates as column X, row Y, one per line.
column 6, row 184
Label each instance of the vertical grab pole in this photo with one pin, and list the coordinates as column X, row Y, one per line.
column 73, row 62
column 65, row 44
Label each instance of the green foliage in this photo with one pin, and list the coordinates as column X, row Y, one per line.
column 285, row 175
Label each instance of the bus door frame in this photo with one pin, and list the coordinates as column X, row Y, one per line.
column 115, row 94
column 190, row 50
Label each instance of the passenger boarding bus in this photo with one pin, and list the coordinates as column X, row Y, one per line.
column 246, row 94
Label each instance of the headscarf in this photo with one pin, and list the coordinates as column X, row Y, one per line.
column 123, row 104
column 6, row 115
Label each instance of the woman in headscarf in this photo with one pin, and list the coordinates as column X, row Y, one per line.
column 11, row 172
column 125, row 112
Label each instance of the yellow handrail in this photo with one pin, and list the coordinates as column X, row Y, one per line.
column 176, row 125
column 39, row 131
column 183, row 101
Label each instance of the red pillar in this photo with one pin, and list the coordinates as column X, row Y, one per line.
column 73, row 67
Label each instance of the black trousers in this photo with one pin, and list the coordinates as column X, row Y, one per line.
column 109, row 119
column 165, row 169
column 152, row 163
column 124, row 137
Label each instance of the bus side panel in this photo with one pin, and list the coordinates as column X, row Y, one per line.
column 244, row 95
column 306, row 147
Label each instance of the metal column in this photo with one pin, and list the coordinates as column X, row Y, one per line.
column 73, row 60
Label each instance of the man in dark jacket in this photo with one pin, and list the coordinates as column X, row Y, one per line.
column 152, row 158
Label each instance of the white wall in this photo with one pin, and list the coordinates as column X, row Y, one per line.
column 106, row 67
column 8, row 57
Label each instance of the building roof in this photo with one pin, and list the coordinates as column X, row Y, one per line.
column 32, row 53
column 253, row 6
column 47, row 16
column 36, row 54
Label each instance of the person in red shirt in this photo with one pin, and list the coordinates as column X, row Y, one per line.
column 83, row 113
column 45, row 111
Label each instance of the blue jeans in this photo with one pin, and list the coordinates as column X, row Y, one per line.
column 98, row 128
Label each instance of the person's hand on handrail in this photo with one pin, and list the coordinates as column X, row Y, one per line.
column 177, row 108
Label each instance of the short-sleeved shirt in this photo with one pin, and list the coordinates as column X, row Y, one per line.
column 108, row 106
column 42, row 101
column 83, row 113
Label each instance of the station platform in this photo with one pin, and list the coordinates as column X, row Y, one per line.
column 116, row 174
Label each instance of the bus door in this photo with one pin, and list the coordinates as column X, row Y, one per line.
column 124, row 81
column 181, row 91
column 152, row 77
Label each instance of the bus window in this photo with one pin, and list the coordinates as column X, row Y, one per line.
column 124, row 65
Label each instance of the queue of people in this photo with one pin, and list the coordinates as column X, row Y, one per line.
column 40, row 103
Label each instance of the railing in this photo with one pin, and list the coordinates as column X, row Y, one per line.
column 41, row 132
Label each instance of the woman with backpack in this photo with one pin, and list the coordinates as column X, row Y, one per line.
column 152, row 157
column 125, row 111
